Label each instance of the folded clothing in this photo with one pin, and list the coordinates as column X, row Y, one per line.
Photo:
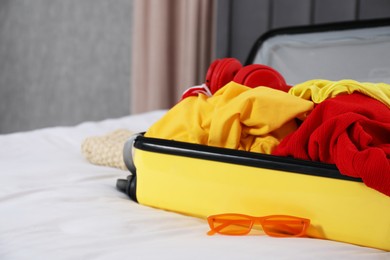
column 350, row 131
column 236, row 117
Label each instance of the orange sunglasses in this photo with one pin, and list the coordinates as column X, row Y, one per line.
column 273, row 225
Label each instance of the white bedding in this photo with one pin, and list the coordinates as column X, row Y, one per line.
column 56, row 205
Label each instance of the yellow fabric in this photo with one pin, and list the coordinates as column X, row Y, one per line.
column 318, row 90
column 237, row 117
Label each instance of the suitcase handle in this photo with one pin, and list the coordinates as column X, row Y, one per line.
column 128, row 151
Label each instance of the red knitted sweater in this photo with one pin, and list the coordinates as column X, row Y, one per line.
column 351, row 131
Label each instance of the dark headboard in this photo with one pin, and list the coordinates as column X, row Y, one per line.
column 241, row 22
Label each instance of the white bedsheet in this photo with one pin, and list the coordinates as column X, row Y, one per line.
column 56, row 205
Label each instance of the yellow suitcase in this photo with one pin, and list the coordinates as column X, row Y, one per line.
column 200, row 180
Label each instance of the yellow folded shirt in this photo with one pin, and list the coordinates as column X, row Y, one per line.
column 318, row 90
column 236, row 116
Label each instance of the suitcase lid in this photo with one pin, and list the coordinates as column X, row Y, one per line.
column 357, row 50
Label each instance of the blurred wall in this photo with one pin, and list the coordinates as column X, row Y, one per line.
column 63, row 62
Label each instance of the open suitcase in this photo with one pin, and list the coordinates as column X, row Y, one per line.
column 201, row 180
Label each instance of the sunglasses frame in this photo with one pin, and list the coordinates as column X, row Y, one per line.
column 282, row 221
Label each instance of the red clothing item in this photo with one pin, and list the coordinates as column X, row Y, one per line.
column 350, row 131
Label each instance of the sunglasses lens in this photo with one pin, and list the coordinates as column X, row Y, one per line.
column 230, row 224
column 284, row 226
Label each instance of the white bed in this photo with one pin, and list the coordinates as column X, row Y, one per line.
column 54, row 204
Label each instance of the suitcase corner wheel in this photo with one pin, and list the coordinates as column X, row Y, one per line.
column 128, row 185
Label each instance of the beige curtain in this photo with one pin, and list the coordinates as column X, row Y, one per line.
column 172, row 49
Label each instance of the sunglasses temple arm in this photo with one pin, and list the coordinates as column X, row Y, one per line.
column 217, row 229
column 211, row 232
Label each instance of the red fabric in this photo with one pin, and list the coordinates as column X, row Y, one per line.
column 195, row 91
column 350, row 131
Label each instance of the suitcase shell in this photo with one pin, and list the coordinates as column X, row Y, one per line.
column 200, row 180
